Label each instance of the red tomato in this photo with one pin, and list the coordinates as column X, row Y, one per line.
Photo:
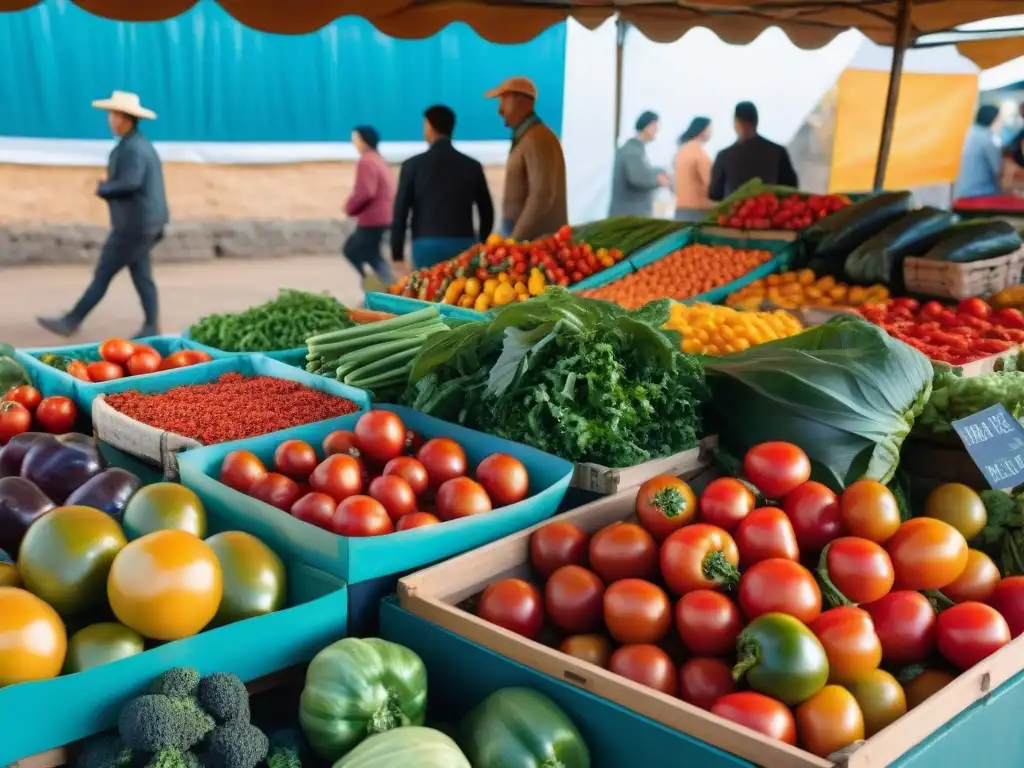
column 104, row 371
column 930, row 309
column 515, row 605
column 240, row 469
column 143, row 362
column 181, row 359
column 708, row 623
column 593, row 649
column 970, row 632
column 78, row 370
column 416, row 520
column 977, row 582
column 395, row 494
column 1009, row 318
column 623, row 551
column 665, row 504
column 777, row 468
column 702, row 682
column 361, row 516
column 647, row 665
column 410, row 470
column 927, row 554
column 1008, row 599
column 699, row 556
column 974, row 307
column 57, row 414
column 815, row 514
column 117, row 351
column 504, row 478
column 198, row 356
column 726, row 502
column 779, row 586
column 573, row 598
column 828, row 721
column 339, row 476
column 905, row 624
column 340, row 441
column 295, row 458
column 926, row 684
column 635, row 611
column 444, row 459
column 380, row 436
column 15, row 419
column 461, row 497
column 859, row 569
column 26, row 395
column 557, row 544
column 759, row 713
column 869, row 510
column 316, row 509
column 848, row 636
column 276, row 490
column 764, row 534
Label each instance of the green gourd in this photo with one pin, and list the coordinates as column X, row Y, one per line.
column 405, row 748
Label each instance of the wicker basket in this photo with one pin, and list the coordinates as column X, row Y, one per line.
column 961, row 281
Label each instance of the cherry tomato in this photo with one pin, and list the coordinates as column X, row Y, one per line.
column 295, row 458
column 1008, row 599
column 380, row 436
column 848, row 636
column 26, row 395
column 573, row 599
column 415, row 520
column 410, row 470
column 78, row 370
column 881, row 699
column 958, row 505
column 395, row 494
column 316, row 509
column 240, row 469
column 504, row 478
column 275, row 489
column 776, row 469
column 927, row 554
column 759, row 713
column 814, row 511
column 180, row 359
column 828, row 721
column 699, row 556
column 593, row 649
column 977, row 582
column 340, row 441
column 905, row 625
column 708, row 622
column 647, row 665
column 636, row 611
column 117, row 351
column 704, row 681
column 974, row 307
column 461, row 497
column 930, row 310
column 779, row 586
column 766, row 533
column 198, row 356
column 665, row 504
column 623, row 551
column 860, row 569
column 515, row 605
column 557, row 544
column 57, row 415
column 726, row 502
column 925, row 684
column 361, row 516
column 104, row 371
column 970, row 632
column 339, row 476
column 143, row 362
column 869, row 511
column 15, row 419
column 443, row 459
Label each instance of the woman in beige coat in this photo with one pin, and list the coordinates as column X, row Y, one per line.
column 693, row 172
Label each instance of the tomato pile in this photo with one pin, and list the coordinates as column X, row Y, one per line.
column 23, row 406
column 120, row 358
column 970, row 331
column 768, row 211
column 377, row 479
column 792, row 618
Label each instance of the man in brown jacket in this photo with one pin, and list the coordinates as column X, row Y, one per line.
column 534, row 203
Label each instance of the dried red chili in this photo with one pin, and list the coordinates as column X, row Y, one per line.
column 232, row 408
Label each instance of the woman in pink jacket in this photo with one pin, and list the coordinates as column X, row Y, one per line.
column 370, row 204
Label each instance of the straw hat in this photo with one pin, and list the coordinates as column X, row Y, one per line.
column 129, row 103
column 521, row 85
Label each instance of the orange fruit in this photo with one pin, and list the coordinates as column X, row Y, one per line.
column 33, row 641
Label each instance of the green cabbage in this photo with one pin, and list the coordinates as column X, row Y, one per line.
column 846, row 392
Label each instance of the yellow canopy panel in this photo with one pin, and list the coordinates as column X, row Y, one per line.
column 808, row 23
column 993, row 52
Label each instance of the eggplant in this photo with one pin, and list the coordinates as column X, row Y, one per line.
column 61, row 465
column 12, row 454
column 21, row 504
column 108, row 491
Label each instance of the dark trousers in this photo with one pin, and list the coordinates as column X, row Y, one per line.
column 363, row 247
column 123, row 249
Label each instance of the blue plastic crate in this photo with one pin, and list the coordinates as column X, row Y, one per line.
column 608, row 275
column 361, row 559
column 403, row 305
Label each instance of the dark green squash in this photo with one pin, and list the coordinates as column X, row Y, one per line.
column 835, row 236
column 880, row 258
column 976, row 241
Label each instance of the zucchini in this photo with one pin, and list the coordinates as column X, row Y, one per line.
column 837, row 235
column 976, row 241
column 880, row 258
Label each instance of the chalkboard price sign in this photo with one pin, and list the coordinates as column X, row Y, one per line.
column 995, row 441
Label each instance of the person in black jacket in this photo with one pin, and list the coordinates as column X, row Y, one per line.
column 751, row 157
column 134, row 192
column 439, row 190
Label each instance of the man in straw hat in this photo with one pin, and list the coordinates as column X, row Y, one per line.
column 134, row 191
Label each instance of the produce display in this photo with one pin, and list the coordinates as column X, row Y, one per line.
column 714, row 330
column 627, row 234
column 118, row 358
column 955, row 398
column 24, row 406
column 771, row 210
column 232, row 408
column 12, row 373
column 802, row 288
column 683, row 274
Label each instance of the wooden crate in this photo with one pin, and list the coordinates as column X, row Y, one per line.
column 962, row 281
column 606, row 480
column 743, row 236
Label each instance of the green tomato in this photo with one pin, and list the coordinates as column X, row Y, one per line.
column 100, row 644
column 522, row 728
column 254, row 577
column 430, row 748
column 356, row 688
column 164, row 506
column 781, row 658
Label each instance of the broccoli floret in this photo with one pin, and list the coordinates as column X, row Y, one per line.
column 284, row 757
column 287, row 747
column 104, row 750
column 178, row 683
column 154, row 722
column 224, row 696
column 236, row 745
column 173, row 758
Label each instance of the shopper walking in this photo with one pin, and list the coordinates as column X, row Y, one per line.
column 439, row 189
column 370, row 204
column 634, row 180
column 751, row 157
column 134, row 192
column 693, row 171
column 534, row 203
column 981, row 163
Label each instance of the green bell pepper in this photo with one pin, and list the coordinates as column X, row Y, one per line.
column 780, row 657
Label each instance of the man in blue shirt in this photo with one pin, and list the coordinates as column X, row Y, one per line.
column 981, row 165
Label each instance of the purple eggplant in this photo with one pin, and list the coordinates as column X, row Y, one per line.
column 108, row 491
column 12, row 454
column 21, row 503
column 61, row 465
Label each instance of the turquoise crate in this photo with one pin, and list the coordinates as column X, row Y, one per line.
column 362, row 559
column 403, row 305
column 609, row 275
column 275, row 354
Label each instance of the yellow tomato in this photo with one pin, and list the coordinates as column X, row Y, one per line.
column 490, row 286
column 692, row 346
column 504, row 294
column 503, row 277
column 466, row 301
column 482, row 303
column 33, row 641
column 472, row 287
column 521, row 288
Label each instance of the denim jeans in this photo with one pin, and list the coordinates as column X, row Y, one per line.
column 363, row 247
column 123, row 249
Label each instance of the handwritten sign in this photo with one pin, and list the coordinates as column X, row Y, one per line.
column 995, row 441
